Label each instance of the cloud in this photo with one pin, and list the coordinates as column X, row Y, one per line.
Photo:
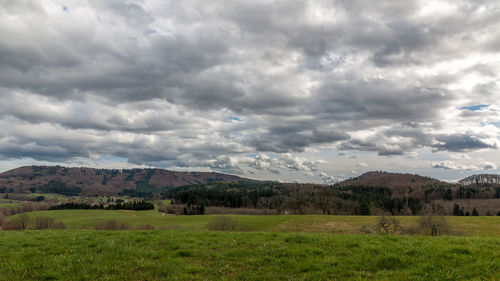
column 285, row 162
column 450, row 165
column 329, row 179
column 195, row 84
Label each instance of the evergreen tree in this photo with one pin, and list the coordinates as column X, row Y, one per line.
column 364, row 209
column 456, row 210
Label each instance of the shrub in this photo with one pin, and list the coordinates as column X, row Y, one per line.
column 177, row 209
column 43, row 222
column 387, row 225
column 2, row 218
column 112, row 225
column 433, row 225
column 11, row 225
column 58, row 225
column 146, row 227
column 22, row 220
column 223, row 223
column 365, row 229
column 162, row 208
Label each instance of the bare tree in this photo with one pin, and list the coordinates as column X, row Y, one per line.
column 323, row 199
column 433, row 225
column 277, row 202
column 387, row 225
column 43, row 222
column 22, row 220
column 297, row 201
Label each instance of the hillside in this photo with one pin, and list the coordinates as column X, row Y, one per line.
column 90, row 181
column 386, row 179
column 481, row 179
column 398, row 183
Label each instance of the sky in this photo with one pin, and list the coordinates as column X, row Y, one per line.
column 306, row 91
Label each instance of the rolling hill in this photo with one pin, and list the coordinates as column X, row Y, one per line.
column 90, row 181
column 491, row 179
column 398, row 183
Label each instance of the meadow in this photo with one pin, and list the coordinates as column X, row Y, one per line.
column 284, row 247
column 203, row 255
column 485, row 226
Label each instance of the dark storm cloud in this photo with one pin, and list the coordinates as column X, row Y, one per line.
column 461, row 143
column 401, row 139
column 155, row 82
column 378, row 99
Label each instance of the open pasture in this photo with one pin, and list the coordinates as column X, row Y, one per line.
column 188, row 255
column 487, row 226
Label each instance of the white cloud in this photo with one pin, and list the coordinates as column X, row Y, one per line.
column 164, row 83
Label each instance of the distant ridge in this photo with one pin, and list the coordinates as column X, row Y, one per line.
column 387, row 179
column 91, row 181
column 400, row 184
column 480, row 179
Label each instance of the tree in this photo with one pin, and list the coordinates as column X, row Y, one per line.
column 475, row 212
column 433, row 225
column 364, row 208
column 297, row 201
column 457, row 211
column 277, row 202
column 323, row 199
column 19, row 222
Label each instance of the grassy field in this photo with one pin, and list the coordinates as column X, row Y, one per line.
column 199, row 255
column 5, row 204
column 86, row 219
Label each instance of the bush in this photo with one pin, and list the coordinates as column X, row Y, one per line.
column 22, row 220
column 43, row 222
column 146, row 227
column 11, row 225
column 112, row 225
column 387, row 225
column 365, row 229
column 433, row 225
column 58, row 225
column 177, row 209
column 223, row 223
column 2, row 218
column 47, row 223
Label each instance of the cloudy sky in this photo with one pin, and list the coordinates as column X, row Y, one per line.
column 311, row 91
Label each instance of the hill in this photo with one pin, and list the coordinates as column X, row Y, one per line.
column 90, row 181
column 390, row 180
column 398, row 183
column 481, row 179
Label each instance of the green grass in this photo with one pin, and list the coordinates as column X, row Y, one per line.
column 184, row 255
column 8, row 204
column 78, row 219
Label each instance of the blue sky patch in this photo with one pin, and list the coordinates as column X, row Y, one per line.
column 475, row 107
column 234, row 118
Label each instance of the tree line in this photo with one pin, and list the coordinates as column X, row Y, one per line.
column 130, row 205
column 325, row 199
